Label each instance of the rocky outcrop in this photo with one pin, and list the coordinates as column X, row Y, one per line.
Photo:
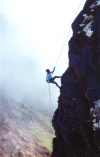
column 77, row 119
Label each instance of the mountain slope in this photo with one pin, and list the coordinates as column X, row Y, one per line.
column 17, row 124
column 16, row 142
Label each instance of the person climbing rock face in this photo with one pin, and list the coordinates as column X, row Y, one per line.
column 51, row 79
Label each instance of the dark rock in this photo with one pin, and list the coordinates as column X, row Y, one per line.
column 77, row 119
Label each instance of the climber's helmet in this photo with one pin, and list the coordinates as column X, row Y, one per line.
column 47, row 70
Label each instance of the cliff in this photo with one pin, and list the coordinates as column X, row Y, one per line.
column 77, row 119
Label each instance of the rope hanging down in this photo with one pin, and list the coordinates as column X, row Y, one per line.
column 51, row 108
column 67, row 35
column 50, row 100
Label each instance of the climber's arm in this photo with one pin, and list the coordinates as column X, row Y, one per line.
column 53, row 70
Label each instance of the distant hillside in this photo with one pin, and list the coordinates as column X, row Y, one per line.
column 16, row 142
column 21, row 130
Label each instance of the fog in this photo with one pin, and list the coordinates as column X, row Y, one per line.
column 22, row 75
column 32, row 35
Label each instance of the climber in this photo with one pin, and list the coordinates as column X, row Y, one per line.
column 51, row 79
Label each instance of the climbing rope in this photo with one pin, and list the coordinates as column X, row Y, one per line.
column 51, row 108
column 51, row 112
column 67, row 36
column 50, row 100
column 62, row 48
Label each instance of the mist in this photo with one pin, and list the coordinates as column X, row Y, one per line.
column 32, row 35
column 22, row 75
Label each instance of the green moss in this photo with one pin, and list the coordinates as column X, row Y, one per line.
column 44, row 138
column 45, row 121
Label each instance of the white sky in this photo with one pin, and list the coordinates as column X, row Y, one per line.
column 33, row 33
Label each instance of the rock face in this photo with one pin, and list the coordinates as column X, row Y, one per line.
column 77, row 119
